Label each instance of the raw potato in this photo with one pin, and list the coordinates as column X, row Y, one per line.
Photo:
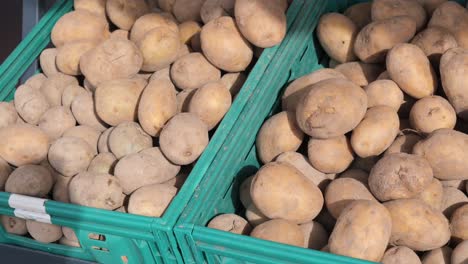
column 336, row 34
column 150, row 21
column 374, row 40
column 299, row 87
column 356, row 174
column 120, row 33
column 316, row 237
column 332, row 155
column 360, row 14
column 453, row 17
column 128, row 138
column 437, row 256
column 431, row 5
column 23, row 144
column 367, row 222
column 47, row 61
column 212, row 9
column 433, row 195
column 331, row 108
column 84, row 111
column 180, row 178
column 360, row 73
column 400, row 254
column 88, row 86
column 446, row 151
column 278, row 134
column 384, row 9
column 116, row 101
column 166, row 5
column 254, row 216
column 281, row 231
column 5, row 171
column 8, row 114
column 110, row 60
column 183, row 138
column 187, row 10
column 193, row 71
column 68, row 56
column 103, row 163
column 55, row 121
column 45, row 163
column 87, row 133
column 234, row 82
column 96, row 190
column 159, row 47
column 70, row 155
column 279, row 190
column 183, row 100
column 224, row 46
column 434, row 42
column 14, row 225
column 36, row 81
column 43, row 232
column 95, row 6
column 398, row 176
column 403, row 144
column 30, row 104
column 67, row 242
column 151, row 200
column 210, row 103
column 188, row 30
column 79, row 25
column 459, row 184
column 384, row 92
column 103, row 141
column 231, row 223
column 70, row 93
column 416, row 225
column 124, row 13
column 53, row 87
column 158, row 103
column 244, row 192
column 365, row 164
column 60, row 190
column 32, row 180
column 452, row 200
column 432, row 113
column 69, row 234
column 460, row 253
column 459, row 224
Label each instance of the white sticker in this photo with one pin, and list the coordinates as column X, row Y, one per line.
column 28, row 215
column 27, row 203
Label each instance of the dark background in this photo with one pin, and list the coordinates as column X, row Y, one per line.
column 11, row 15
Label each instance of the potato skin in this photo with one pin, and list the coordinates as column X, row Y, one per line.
column 187, row 10
column 384, row 9
column 234, row 81
column 14, row 225
column 452, row 200
column 316, row 237
column 452, row 16
column 230, row 223
column 124, row 13
column 55, row 121
column 459, row 224
column 128, row 138
column 70, row 93
column 360, row 73
column 332, row 155
column 43, row 232
column 416, row 225
column 384, row 92
column 36, row 80
column 53, row 87
column 403, row 144
column 360, row 14
column 30, row 104
column 87, row 133
column 70, row 155
column 188, row 30
column 103, row 163
column 84, row 111
column 160, row 47
column 68, row 56
column 95, row 6
column 364, row 221
column 150, row 21
column 281, row 231
column 60, row 190
column 433, row 194
column 460, row 253
column 434, row 41
column 438, row 255
column 432, row 113
column 400, row 254
column 31, row 180
column 212, row 9
column 47, row 61
column 254, row 216
column 192, row 71
column 151, row 200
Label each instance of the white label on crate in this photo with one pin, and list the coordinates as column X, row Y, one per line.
column 28, row 215
column 27, row 203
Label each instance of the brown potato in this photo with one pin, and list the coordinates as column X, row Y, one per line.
column 212, row 9
column 416, row 225
column 150, row 21
column 166, row 5
column 384, row 92
column 431, row 5
column 5, row 171
column 454, row 18
column 103, row 140
column 193, row 71
column 433, row 194
column 452, row 200
column 188, row 30
column 32, row 180
column 60, row 190
column 103, row 163
column 385, row 9
column 460, row 253
column 47, row 61
column 316, row 237
column 431, row 113
column 36, row 81
column 362, row 221
column 30, row 104
column 128, row 138
column 45, row 163
column 281, row 231
column 87, row 133
column 234, row 82
column 403, row 144
column 70, row 93
column 244, row 192
column 53, row 87
column 124, row 13
column 438, row 255
column 360, row 73
column 97, row 7
column 360, row 14
column 55, row 121
column 254, row 216
column 159, row 47
column 64, row 241
column 14, row 225
column 434, row 41
column 69, row 234
column 400, row 254
column 8, row 114
column 183, row 100
column 384, row 76
column 162, row 74
column 187, row 10
column 151, row 200
column 120, row 34
column 332, row 155
column 43, row 232
column 357, row 174
column 68, row 56
column 459, row 224
column 70, row 155
column 180, row 178
column 459, row 184
column 230, row 223
column 84, row 111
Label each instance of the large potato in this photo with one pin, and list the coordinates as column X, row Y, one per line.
column 403, row 144
column 360, row 73
column 103, row 163
column 84, row 111
column 30, row 104
column 231, row 223
column 55, row 121
column 14, row 225
column 32, row 180
column 460, row 253
column 416, row 225
column 433, row 194
column 87, row 133
column 36, row 80
column 212, row 9
column 374, row 40
column 331, row 108
column 360, row 14
column 188, row 30
column 187, row 10
column 124, row 13
column 332, row 155
column 224, row 46
column 452, row 200
column 60, row 190
column 128, row 138
column 151, row 200
column 362, row 231
column 439, row 255
column 432, row 113
column 68, row 56
column 279, row 190
column 150, row 21
column 53, row 87
column 434, row 41
column 281, row 231
column 398, row 176
column 384, row 9
column 70, row 155
column 400, row 254
column 43, row 232
column 23, row 144
column 454, row 18
column 384, row 92
column 459, row 224
column 316, row 237
column 160, row 47
column 70, row 93
column 192, row 71
column 47, row 61
column 94, row 6
column 8, row 114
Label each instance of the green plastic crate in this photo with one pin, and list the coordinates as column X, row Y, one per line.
column 126, row 238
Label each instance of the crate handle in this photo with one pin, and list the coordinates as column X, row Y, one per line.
column 30, row 208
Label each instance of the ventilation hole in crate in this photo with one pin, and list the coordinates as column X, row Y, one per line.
column 100, row 249
column 124, row 259
column 97, row 237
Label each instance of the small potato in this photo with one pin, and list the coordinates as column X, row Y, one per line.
column 331, row 108
column 244, row 192
column 183, row 138
column 400, row 254
column 212, row 9
column 332, row 155
column 23, row 144
column 53, row 87
column 431, row 113
column 47, row 61
column 103, row 163
column 356, row 174
column 366, row 221
column 128, row 138
column 68, row 56
column 79, row 25
column 87, row 133
column 8, row 114
column 433, row 195
column 5, row 171
column 376, row 132
column 84, row 111
column 281, row 231
column 452, row 200
column 234, row 82
column 36, row 81
column 459, row 224
column 70, row 155
column 43, row 232
column 299, row 87
column 45, row 163
column 384, row 9
column 454, row 18
column 192, row 71
column 360, row 14
column 233, row 53
column 360, row 73
column 403, row 144
column 116, row 101
column 150, row 21
column 120, row 34
column 231, row 223
column 384, row 92
column 183, row 100
column 374, row 40
column 69, row 233
column 70, row 93
column 97, row 7
column 278, row 134
column 336, row 33
column 151, row 200
column 278, row 185
column 437, row 256
column 159, row 47
column 14, row 225
column 64, row 241
column 30, row 104
column 188, row 30
column 103, row 140
column 96, row 190
column 254, row 216
column 416, row 225
column 316, row 237
column 32, row 180
column 384, row 76
column 60, row 191
column 434, row 41
column 460, row 253
column 187, row 10
column 55, row 121
column 124, row 13
column 398, row 176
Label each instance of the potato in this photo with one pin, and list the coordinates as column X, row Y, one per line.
column 432, row 113
column 64, row 241
column 336, row 33
column 183, row 138
column 195, row 42
column 362, row 221
column 53, row 87
column 254, row 216
column 180, row 178
column 234, row 82
column 68, row 56
column 14, row 225
column 160, row 47
column 23, row 144
column 183, row 100
column 47, row 61
column 36, row 81
column 332, row 155
column 60, row 190
column 88, row 134
column 70, row 155
column 331, row 108
column 230, row 223
column 434, row 41
column 69, row 234
column 97, row 7
column 385, row 9
column 110, row 60
column 124, row 13
column 400, row 254
column 431, row 5
column 188, row 30
column 459, row 224
column 398, row 176
column 374, row 40
column 360, row 73
column 151, row 200
column 384, row 76
column 281, row 231
column 43, row 232
column 445, row 150
column 55, row 121
column 244, row 191
column 433, row 195
column 193, row 71
column 316, row 237
column 5, row 171
column 187, row 10
column 103, row 163
column 84, row 111
column 233, row 53
column 454, row 18
column 212, row 9
column 32, row 180
column 279, row 190
column 360, row 14
column 416, row 225
column 8, row 114
column 55, row 175
column 151, row 21
column 438, row 255
column 403, row 144
column 460, row 253
column 96, row 190
column 384, row 92
column 166, row 5
column 299, row 87
column 120, row 34
column 128, row 138
column 79, row 25
column 30, row 104
column 103, row 140
column 452, row 200
column 356, row 174
column 459, row 184
column 70, row 93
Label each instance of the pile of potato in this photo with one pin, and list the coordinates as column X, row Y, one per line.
column 369, row 158
column 126, row 102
